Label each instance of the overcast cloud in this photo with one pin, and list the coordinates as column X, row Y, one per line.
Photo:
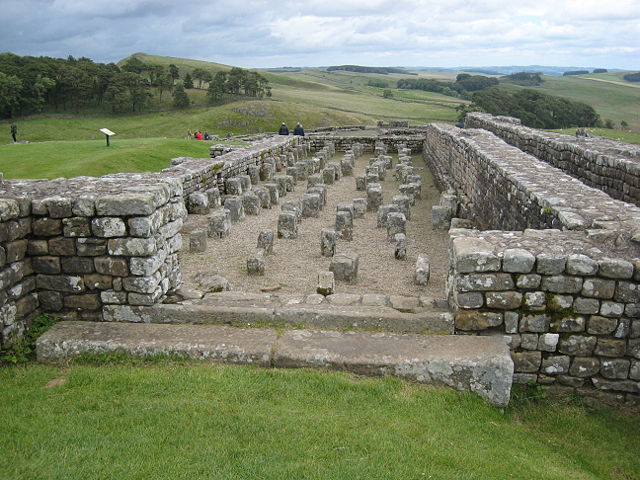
column 248, row 33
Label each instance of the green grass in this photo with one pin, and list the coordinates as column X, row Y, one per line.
column 173, row 420
column 617, row 134
column 94, row 158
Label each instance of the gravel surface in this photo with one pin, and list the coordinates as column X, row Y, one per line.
column 294, row 265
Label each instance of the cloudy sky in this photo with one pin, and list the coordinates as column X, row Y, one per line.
column 249, row 33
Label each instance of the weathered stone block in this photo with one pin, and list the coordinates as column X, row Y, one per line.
column 562, row 284
column 108, row 227
column 117, row 267
column 474, row 255
column 326, row 283
column 63, row 246
column 198, row 203
column 526, row 362
column 517, row 260
column 255, row 262
column 77, row 265
column 610, row 347
column 328, row 239
column 476, row 320
column 219, row 224
column 213, row 195
column 88, row 301
column 287, row 225
column 584, row 366
column 550, row 263
column 47, row 227
column 233, row 186
column 440, row 217
column 197, row 241
column 597, row 325
column 534, row 323
column 235, row 207
column 251, row 203
column 627, row 292
column 598, row 288
column 345, row 266
column 503, row 300
column 274, row 194
column 611, row 309
column 578, row 264
column 311, row 205
column 400, row 251
column 131, row 247
column 396, row 223
column 548, row 342
column 615, row 268
column 76, row 227
column 265, row 241
column 47, row 265
column 568, row 323
column 404, row 204
column 484, row 282
column 615, row 368
column 423, row 269
column 555, row 364
column 374, row 196
column 586, row 305
column 359, row 207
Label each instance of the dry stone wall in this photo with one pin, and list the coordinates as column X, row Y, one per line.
column 344, row 143
column 557, row 270
column 86, row 248
column 606, row 164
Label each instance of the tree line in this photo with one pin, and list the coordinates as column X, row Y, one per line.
column 534, row 108
column 363, row 69
column 33, row 84
column 463, row 86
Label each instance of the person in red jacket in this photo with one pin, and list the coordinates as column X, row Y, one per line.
column 198, row 135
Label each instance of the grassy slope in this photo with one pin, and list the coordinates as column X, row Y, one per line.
column 210, row 421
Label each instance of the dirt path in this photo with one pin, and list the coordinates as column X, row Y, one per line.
column 295, row 263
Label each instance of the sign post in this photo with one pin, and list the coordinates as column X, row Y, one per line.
column 107, row 134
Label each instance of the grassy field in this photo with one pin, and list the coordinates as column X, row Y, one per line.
column 93, row 158
column 173, row 420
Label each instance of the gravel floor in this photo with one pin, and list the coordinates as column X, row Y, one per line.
column 294, row 265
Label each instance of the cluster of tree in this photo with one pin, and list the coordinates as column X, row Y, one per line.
column 33, row 84
column 600, row 70
column 536, row 109
column 528, row 79
column 575, row 72
column 462, row 87
column 238, row 81
column 632, row 77
column 378, row 83
column 362, row 69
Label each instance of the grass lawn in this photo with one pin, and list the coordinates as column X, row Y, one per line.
column 622, row 135
column 128, row 420
column 94, row 158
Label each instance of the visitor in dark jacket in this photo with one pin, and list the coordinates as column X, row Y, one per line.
column 283, row 129
column 298, row 130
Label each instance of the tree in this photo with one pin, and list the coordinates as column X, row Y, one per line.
column 180, row 97
column 624, row 125
column 198, row 74
column 134, row 65
column 217, row 87
column 188, row 81
column 164, row 83
column 10, row 88
column 174, row 72
column 387, row 93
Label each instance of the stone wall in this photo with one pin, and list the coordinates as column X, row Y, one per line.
column 606, row 164
column 568, row 297
column 84, row 248
column 343, row 143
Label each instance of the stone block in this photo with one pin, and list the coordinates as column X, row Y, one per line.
column 311, row 205
column 326, row 283
column 293, row 206
column 548, row 342
column 359, row 207
column 538, row 323
column 46, row 265
column 263, row 195
column 555, row 364
column 474, row 255
column 131, row 247
column 627, row 292
column 274, row 194
column 577, row 345
column 233, row 186
column 598, row 288
column 117, row 267
column 562, row 284
column 550, row 263
column 517, row 260
column 526, row 362
column 484, row 282
column 578, row 264
column 198, row 203
column 287, row 225
column 245, row 182
column 615, row 368
column 586, row 305
column 584, row 366
column 611, row 309
column 107, row 227
column 219, row 224
column 255, row 262
column 197, row 241
column 77, row 265
column 396, row 223
column 400, row 250
column 345, row 266
column 568, row 323
column 597, row 325
column 615, row 268
column 251, row 203
column 404, row 204
column 76, row 227
column 610, row 347
column 328, row 176
column 265, row 241
column 423, row 270
column 254, row 174
column 281, row 181
column 328, row 239
column 320, row 189
column 374, row 196
column 383, row 213
column 361, row 183
column 440, row 217
column 503, row 300
column 235, row 206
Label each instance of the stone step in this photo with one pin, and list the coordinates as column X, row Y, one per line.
column 481, row 365
column 245, row 309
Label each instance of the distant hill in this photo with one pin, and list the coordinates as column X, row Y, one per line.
column 185, row 64
column 556, row 71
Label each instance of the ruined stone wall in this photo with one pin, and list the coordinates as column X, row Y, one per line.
column 606, row 164
column 567, row 297
column 343, row 143
column 88, row 248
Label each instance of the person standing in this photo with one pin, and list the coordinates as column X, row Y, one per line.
column 14, row 132
column 298, row 130
column 284, row 130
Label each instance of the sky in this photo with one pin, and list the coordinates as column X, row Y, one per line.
column 260, row 34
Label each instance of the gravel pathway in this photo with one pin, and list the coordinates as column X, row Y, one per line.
column 294, row 265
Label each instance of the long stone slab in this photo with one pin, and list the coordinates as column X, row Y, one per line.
column 253, row 310
column 481, row 365
column 199, row 342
